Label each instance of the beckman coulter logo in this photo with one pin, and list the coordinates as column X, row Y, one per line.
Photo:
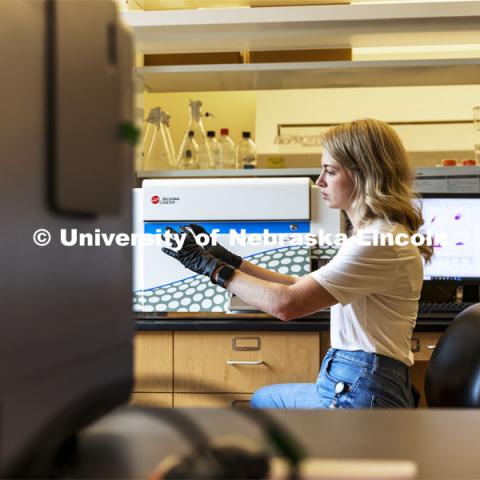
column 156, row 200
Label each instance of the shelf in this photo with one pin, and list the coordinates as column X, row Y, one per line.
column 272, row 76
column 306, row 27
column 421, row 172
column 254, row 172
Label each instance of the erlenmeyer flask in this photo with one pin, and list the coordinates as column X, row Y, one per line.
column 160, row 155
column 150, row 124
column 166, row 123
column 195, row 125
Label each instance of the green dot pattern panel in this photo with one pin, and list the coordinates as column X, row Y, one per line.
column 323, row 254
column 198, row 294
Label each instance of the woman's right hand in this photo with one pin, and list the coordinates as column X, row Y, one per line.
column 216, row 250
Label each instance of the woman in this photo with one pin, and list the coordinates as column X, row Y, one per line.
column 373, row 290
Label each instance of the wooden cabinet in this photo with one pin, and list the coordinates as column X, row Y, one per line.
column 210, row 400
column 220, row 369
column 423, row 344
column 215, row 369
column 153, row 362
column 242, row 362
column 161, row 400
column 324, row 344
column 417, row 376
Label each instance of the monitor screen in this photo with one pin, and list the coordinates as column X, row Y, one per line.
column 454, row 224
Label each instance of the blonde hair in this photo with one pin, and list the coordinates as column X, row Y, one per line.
column 382, row 175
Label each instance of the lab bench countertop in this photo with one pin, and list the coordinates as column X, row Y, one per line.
column 260, row 321
column 130, row 441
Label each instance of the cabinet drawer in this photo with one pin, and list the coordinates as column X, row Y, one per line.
column 324, row 344
column 153, row 362
column 161, row 400
column 423, row 344
column 417, row 375
column 242, row 362
column 210, row 400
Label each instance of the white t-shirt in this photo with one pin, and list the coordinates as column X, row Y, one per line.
column 378, row 288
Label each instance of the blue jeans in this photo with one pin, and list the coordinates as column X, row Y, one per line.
column 347, row 380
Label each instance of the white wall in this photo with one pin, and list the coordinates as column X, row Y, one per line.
column 261, row 112
column 391, row 104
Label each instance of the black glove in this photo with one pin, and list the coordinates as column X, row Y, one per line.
column 217, row 250
column 193, row 256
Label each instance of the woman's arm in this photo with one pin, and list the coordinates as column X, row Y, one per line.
column 219, row 251
column 264, row 274
column 286, row 302
column 283, row 301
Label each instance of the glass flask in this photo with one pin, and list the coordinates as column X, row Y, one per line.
column 160, row 154
column 188, row 154
column 195, row 125
column 150, row 123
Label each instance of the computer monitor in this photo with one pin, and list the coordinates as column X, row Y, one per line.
column 452, row 219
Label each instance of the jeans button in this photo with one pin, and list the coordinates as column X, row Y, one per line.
column 339, row 387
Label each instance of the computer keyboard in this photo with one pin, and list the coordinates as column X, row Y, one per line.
column 453, row 307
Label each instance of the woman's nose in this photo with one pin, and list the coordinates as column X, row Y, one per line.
column 320, row 181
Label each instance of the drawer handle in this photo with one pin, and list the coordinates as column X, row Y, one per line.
column 431, row 347
column 255, row 344
column 243, row 362
column 415, row 346
column 240, row 403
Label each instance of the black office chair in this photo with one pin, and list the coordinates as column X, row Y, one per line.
column 453, row 374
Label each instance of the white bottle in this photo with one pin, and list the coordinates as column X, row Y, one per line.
column 215, row 151
column 476, row 124
column 246, row 152
column 188, row 154
column 227, row 149
column 477, row 153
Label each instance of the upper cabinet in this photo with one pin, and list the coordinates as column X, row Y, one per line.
column 321, row 27
column 298, row 75
column 306, row 27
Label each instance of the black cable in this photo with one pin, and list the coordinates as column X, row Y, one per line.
column 278, row 436
column 284, row 442
column 190, row 431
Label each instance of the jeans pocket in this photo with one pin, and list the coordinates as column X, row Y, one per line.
column 340, row 370
column 379, row 401
column 384, row 393
column 386, row 385
column 336, row 382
